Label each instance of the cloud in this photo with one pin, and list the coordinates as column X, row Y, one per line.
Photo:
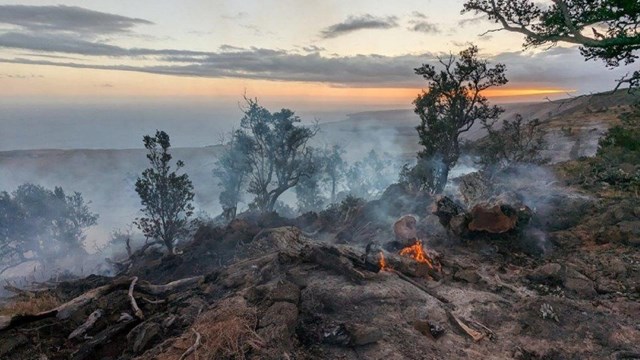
column 355, row 23
column 418, row 15
column 67, row 19
column 55, row 43
column 313, row 48
column 558, row 67
column 473, row 21
column 424, row 27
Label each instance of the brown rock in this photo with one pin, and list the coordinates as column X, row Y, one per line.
column 405, row 228
column 363, row 335
column 548, row 273
column 491, row 219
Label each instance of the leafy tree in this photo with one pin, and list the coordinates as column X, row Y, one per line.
column 308, row 191
column 517, row 141
column 38, row 224
column 369, row 177
column 277, row 152
column 232, row 170
column 166, row 197
column 449, row 107
column 334, row 168
column 608, row 30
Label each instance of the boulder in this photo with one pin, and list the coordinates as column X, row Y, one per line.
column 496, row 216
column 405, row 229
column 492, row 219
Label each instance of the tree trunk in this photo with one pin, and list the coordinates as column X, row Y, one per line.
column 441, row 180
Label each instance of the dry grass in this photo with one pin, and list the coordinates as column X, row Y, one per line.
column 33, row 305
column 228, row 330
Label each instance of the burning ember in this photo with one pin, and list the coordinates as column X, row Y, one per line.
column 416, row 251
column 382, row 262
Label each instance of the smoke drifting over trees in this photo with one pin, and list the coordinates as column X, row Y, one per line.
column 41, row 225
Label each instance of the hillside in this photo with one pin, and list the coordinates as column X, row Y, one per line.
column 106, row 177
column 584, row 120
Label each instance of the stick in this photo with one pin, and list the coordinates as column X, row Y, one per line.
column 421, row 287
column 475, row 335
column 172, row 286
column 154, row 302
column 136, row 310
column 193, row 347
column 91, row 320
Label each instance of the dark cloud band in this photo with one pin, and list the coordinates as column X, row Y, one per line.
column 66, row 19
column 355, row 23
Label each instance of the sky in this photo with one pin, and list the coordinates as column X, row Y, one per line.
column 303, row 54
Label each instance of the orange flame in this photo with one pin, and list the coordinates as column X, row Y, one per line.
column 416, row 251
column 382, row 262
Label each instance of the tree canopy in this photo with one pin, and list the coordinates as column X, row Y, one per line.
column 605, row 29
column 38, row 224
column 450, row 105
column 166, row 197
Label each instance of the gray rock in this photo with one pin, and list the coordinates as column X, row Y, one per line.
column 579, row 284
column 468, row 275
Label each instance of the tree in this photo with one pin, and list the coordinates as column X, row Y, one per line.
column 232, row 170
column 608, row 30
column 334, row 168
column 450, row 106
column 308, row 191
column 277, row 152
column 38, row 224
column 369, row 177
column 517, row 141
column 166, row 197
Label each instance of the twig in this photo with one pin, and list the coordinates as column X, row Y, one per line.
column 136, row 310
column 193, row 347
column 154, row 302
column 421, row 287
column 475, row 335
column 82, row 329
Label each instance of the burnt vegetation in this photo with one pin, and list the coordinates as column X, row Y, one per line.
column 318, row 255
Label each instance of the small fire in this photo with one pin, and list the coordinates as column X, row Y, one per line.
column 382, row 262
column 416, row 251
